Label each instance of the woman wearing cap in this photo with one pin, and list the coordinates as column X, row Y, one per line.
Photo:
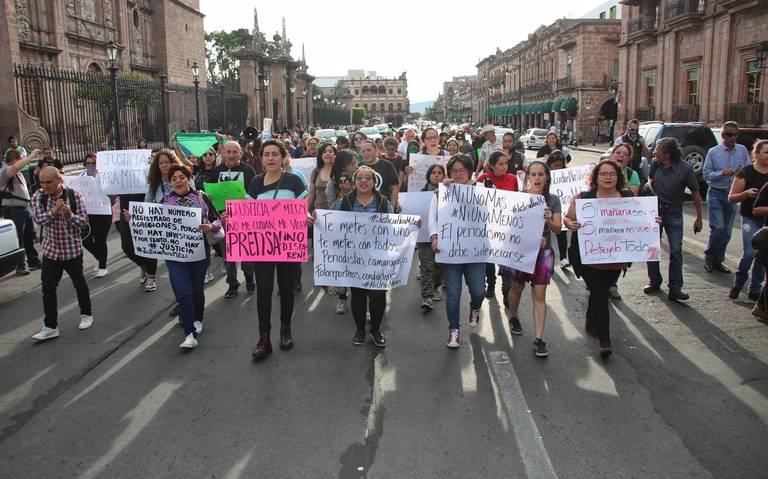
column 459, row 169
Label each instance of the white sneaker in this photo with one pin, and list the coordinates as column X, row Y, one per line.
column 100, row 273
column 564, row 263
column 86, row 321
column 208, row 277
column 150, row 285
column 474, row 317
column 189, row 342
column 198, row 327
column 143, row 277
column 46, row 333
column 341, row 306
column 453, row 338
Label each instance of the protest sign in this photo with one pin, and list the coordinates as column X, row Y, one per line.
column 417, row 204
column 230, row 175
column 305, row 165
column 122, row 171
column 221, row 192
column 569, row 182
column 96, row 202
column 267, row 230
column 618, row 230
column 487, row 225
column 421, row 163
column 363, row 250
column 197, row 143
column 167, row 232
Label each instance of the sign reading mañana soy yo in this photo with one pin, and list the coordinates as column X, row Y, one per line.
column 618, row 230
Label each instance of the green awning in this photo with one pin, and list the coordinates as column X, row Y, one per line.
column 508, row 110
column 569, row 105
column 537, row 108
column 532, row 109
column 488, row 112
column 546, row 107
column 514, row 109
column 556, row 104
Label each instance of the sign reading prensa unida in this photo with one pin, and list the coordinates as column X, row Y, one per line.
column 363, row 250
column 167, row 232
column 487, row 225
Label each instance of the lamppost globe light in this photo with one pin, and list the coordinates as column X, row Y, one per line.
column 266, row 82
column 292, row 89
column 304, row 92
column 111, row 51
column 196, row 70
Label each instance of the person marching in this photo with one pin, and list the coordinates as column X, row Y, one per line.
column 274, row 183
column 96, row 241
column 61, row 214
column 430, row 273
column 538, row 179
column 460, row 172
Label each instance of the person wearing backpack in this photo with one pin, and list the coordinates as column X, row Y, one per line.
column 14, row 198
column 60, row 212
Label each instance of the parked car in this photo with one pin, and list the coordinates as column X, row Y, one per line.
column 747, row 136
column 382, row 127
column 10, row 253
column 326, row 135
column 695, row 140
column 534, row 137
column 343, row 133
column 371, row 132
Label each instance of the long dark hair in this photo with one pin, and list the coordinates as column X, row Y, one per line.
column 620, row 178
column 343, row 158
column 155, row 179
column 436, row 166
column 321, row 151
column 547, row 171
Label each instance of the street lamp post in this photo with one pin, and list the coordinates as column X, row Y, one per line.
column 266, row 85
column 112, row 57
column 196, row 81
column 289, row 105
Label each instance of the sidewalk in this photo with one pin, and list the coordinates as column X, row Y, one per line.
column 597, row 148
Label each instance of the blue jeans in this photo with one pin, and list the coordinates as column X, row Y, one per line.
column 721, row 216
column 25, row 230
column 474, row 275
column 672, row 223
column 748, row 259
column 188, row 284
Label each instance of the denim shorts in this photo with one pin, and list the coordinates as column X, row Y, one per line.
column 542, row 272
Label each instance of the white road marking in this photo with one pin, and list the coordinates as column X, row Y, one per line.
column 529, row 442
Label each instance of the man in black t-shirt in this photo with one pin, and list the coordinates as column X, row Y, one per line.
column 387, row 182
column 232, row 168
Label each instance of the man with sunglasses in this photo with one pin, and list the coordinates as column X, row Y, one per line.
column 639, row 148
column 721, row 164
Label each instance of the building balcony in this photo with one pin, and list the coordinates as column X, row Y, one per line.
column 677, row 12
column 641, row 26
column 645, row 113
column 567, row 82
column 685, row 113
column 746, row 114
column 543, row 87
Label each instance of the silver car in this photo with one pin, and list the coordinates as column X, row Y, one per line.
column 534, row 137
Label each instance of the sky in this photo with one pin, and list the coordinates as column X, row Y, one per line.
column 431, row 40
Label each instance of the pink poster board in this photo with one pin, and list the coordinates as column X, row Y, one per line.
column 266, row 230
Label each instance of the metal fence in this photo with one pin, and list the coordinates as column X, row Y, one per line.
column 75, row 109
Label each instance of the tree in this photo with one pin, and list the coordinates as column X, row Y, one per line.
column 220, row 49
column 358, row 115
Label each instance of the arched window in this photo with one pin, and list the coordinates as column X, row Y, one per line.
column 365, row 90
column 399, row 91
column 93, row 69
column 390, row 91
column 382, row 106
column 391, row 107
column 373, row 106
column 365, row 106
column 382, row 90
column 399, row 106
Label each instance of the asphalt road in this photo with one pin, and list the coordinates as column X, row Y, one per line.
column 685, row 393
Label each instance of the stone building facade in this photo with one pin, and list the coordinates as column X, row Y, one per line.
column 693, row 60
column 455, row 101
column 383, row 98
column 153, row 37
column 277, row 86
column 564, row 74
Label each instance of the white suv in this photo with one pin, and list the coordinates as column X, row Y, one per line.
column 10, row 253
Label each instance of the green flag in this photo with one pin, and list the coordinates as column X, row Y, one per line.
column 221, row 192
column 196, row 143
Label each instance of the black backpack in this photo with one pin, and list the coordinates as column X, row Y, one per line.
column 43, row 203
column 574, row 253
